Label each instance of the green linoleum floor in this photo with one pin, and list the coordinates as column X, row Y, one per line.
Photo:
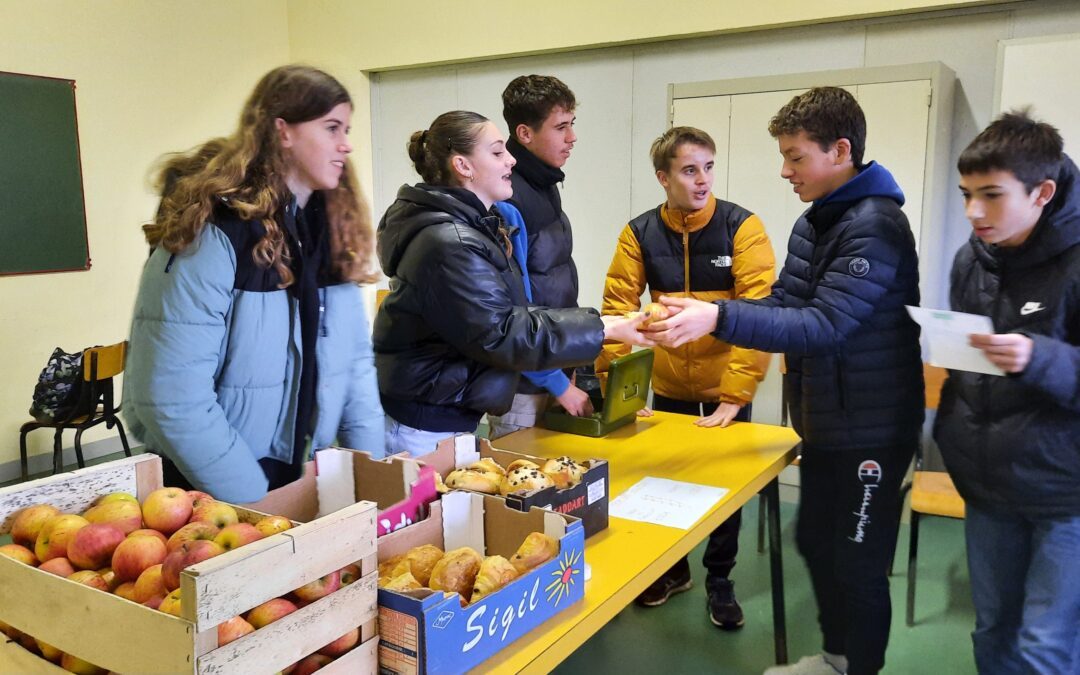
column 678, row 637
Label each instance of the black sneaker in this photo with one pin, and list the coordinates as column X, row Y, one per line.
column 724, row 609
column 663, row 588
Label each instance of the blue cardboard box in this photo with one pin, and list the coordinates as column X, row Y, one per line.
column 429, row 632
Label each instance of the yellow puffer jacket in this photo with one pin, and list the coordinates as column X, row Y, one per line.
column 725, row 254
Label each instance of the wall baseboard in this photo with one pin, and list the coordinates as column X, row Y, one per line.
column 42, row 463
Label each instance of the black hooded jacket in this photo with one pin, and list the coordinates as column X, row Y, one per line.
column 1013, row 442
column 455, row 331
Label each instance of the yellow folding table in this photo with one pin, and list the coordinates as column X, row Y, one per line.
column 629, row 555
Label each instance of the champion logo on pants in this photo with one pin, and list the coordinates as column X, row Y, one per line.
column 870, row 475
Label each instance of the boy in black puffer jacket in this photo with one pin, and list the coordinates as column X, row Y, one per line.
column 1012, row 444
column 854, row 369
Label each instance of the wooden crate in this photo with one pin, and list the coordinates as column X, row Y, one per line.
column 126, row 637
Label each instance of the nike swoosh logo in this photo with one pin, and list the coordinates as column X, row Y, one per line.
column 1031, row 308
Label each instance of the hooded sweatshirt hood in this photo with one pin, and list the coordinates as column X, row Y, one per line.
column 873, row 180
column 1057, row 230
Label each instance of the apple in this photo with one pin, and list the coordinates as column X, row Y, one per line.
column 192, row 532
column 92, row 546
column 135, row 554
column 187, row 555
column 349, row 574
column 20, row 553
column 126, row 590
column 121, row 513
column 320, row 588
column 149, row 584
column 656, row 312
column 218, row 514
column 236, row 535
column 28, row 642
column 269, row 612
column 116, row 497
column 198, row 498
column 309, row 664
column 342, row 644
column 154, row 602
column 171, row 603
column 48, row 652
column 166, row 509
column 27, row 524
column 272, row 525
column 110, row 578
column 55, row 534
column 74, row 664
column 61, row 567
column 147, row 532
column 90, row 578
column 233, row 629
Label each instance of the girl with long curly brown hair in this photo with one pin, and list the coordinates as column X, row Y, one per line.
column 249, row 342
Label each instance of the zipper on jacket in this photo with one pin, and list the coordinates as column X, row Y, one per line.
column 168, row 265
column 323, row 331
column 985, row 385
column 686, row 291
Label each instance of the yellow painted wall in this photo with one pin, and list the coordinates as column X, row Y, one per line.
column 151, row 76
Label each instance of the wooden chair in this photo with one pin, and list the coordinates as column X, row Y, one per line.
column 100, row 366
column 932, row 492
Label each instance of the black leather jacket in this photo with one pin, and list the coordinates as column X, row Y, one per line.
column 455, row 331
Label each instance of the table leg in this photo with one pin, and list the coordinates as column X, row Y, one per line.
column 772, row 499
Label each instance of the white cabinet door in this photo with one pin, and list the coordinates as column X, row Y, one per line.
column 897, row 115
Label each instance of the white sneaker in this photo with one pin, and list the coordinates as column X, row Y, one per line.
column 812, row 665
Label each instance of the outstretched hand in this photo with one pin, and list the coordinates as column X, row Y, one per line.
column 689, row 320
column 1009, row 351
column 627, row 330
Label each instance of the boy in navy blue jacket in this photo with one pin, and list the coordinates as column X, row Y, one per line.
column 854, row 368
column 1012, row 444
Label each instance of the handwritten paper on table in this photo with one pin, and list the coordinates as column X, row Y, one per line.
column 666, row 502
column 947, row 337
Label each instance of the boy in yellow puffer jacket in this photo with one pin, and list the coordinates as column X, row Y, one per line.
column 694, row 245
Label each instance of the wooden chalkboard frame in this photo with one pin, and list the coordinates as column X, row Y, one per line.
column 71, row 204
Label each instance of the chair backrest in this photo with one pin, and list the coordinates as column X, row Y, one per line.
column 934, row 378
column 109, row 361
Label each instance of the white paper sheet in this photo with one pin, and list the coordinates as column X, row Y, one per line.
column 947, row 339
column 666, row 502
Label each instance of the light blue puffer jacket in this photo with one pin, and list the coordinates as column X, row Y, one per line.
column 214, row 365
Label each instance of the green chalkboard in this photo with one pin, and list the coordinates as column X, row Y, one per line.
column 42, row 213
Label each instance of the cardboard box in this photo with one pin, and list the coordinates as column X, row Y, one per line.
column 429, row 632
column 588, row 500
column 127, row 637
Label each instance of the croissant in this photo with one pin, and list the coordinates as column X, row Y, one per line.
column 467, row 479
column 495, row 572
column 404, row 582
column 387, row 566
column 523, row 478
column 456, row 572
column 440, row 486
column 537, row 549
column 421, row 561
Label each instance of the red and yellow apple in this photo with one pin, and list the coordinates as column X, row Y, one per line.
column 92, row 546
column 123, row 514
column 27, row 525
column 90, row 578
column 61, row 567
column 236, row 535
column 191, row 532
column 116, row 497
column 110, row 578
column 126, row 590
column 20, row 553
column 309, row 664
column 167, row 509
column 269, row 612
column 272, row 525
column 55, row 534
column 171, row 603
column 218, row 514
column 198, row 498
column 188, row 554
column 149, row 584
column 135, row 554
column 233, row 629
column 349, row 574
column 320, row 588
column 147, row 532
column 74, row 664
column 342, row 644
column 48, row 652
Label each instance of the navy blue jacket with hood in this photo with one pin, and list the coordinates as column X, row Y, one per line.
column 854, row 369
column 1014, row 442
